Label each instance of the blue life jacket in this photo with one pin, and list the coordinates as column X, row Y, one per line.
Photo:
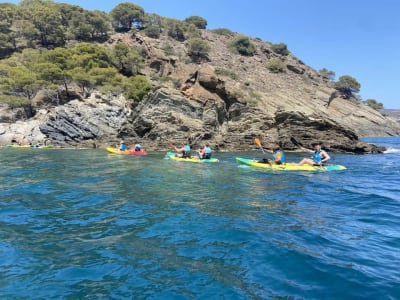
column 207, row 153
column 282, row 160
column 187, row 150
column 122, row 147
column 317, row 156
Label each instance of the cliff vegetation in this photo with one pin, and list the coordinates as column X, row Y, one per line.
column 78, row 78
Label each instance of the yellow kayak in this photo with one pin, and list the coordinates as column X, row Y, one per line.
column 171, row 155
column 30, row 146
column 288, row 166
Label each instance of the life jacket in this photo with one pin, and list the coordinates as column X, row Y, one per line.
column 186, row 152
column 138, row 147
column 317, row 156
column 282, row 160
column 207, row 153
column 122, row 147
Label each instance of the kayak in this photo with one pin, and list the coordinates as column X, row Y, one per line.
column 288, row 166
column 126, row 152
column 171, row 155
column 30, row 146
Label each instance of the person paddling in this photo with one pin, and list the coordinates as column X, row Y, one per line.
column 320, row 157
column 183, row 152
column 138, row 147
column 277, row 157
column 205, row 152
column 122, row 145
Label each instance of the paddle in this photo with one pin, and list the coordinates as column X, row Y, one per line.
column 258, row 142
column 296, row 143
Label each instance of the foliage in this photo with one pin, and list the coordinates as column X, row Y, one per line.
column 199, row 22
column 89, row 25
column 137, row 87
column 223, row 31
column 152, row 31
column 14, row 101
column 175, row 29
column 46, row 20
column 7, row 12
column 125, row 15
column 374, row 104
column 87, row 56
column 243, row 46
column 275, row 66
column 127, row 60
column 280, row 48
column 327, row 74
column 191, row 31
column 168, row 49
column 347, row 85
column 228, row 73
column 197, row 49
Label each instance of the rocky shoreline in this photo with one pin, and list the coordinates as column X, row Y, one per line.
column 201, row 103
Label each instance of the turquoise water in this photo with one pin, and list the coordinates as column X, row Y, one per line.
column 84, row 224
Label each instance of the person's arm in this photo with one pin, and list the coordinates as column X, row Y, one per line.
column 325, row 157
column 306, row 150
column 267, row 150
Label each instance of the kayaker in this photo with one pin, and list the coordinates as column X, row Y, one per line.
column 277, row 157
column 205, row 152
column 138, row 147
column 183, row 152
column 122, row 145
column 320, row 157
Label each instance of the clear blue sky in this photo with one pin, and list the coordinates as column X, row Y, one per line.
column 360, row 38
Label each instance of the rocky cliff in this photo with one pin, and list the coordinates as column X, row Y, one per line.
column 227, row 101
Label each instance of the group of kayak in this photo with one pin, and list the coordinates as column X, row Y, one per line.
column 38, row 145
column 123, row 149
column 277, row 161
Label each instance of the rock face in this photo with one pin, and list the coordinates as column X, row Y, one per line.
column 227, row 101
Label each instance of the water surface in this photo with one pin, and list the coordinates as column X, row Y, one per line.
column 80, row 224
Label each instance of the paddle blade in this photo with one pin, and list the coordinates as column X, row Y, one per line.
column 296, row 143
column 258, row 142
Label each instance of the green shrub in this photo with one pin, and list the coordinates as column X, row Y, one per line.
column 280, row 48
column 197, row 49
column 227, row 73
column 223, row 31
column 373, row 103
column 275, row 66
column 347, row 85
column 327, row 74
column 152, row 32
column 199, row 22
column 243, row 46
column 137, row 87
column 168, row 49
column 14, row 101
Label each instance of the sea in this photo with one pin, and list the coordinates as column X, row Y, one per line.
column 85, row 224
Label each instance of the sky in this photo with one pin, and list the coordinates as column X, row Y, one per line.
column 359, row 38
